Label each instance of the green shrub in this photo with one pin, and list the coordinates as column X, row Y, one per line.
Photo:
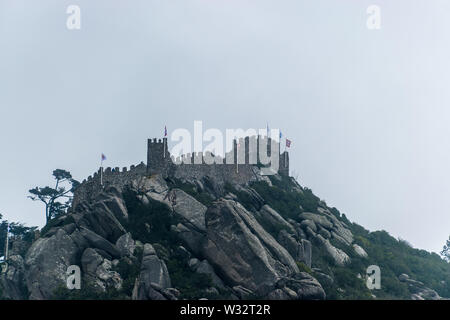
column 303, row 267
column 56, row 222
column 129, row 270
column 192, row 190
column 190, row 284
column 159, row 217
column 87, row 292
column 150, row 223
column 353, row 287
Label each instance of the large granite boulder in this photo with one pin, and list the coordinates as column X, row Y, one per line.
column 205, row 268
column 113, row 201
column 302, row 286
column 418, row 289
column 96, row 241
column 90, row 260
column 339, row 256
column 46, row 264
column 270, row 216
column 243, row 252
column 327, row 225
column 153, row 187
column 154, row 277
column 307, row 252
column 294, row 247
column 318, row 219
column 307, row 223
column 98, row 270
column 188, row 208
column 308, row 288
column 359, row 251
column 12, row 282
column 126, row 245
column 101, row 221
column 191, row 236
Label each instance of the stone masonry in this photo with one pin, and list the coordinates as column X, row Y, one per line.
column 191, row 167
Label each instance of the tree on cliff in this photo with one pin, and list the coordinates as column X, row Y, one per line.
column 445, row 253
column 56, row 199
column 16, row 230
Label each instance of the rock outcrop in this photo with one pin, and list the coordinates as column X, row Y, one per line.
column 245, row 254
column 227, row 237
column 154, row 277
column 418, row 290
column 46, row 263
column 12, row 282
column 238, row 254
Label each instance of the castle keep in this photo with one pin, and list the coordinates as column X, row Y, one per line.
column 243, row 168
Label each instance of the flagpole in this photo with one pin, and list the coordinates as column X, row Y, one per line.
column 164, row 141
column 7, row 242
column 279, row 146
column 101, row 172
column 237, row 158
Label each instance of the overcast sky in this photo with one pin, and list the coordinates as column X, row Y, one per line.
column 367, row 110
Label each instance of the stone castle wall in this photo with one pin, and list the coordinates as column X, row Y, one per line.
column 91, row 186
column 221, row 173
column 159, row 161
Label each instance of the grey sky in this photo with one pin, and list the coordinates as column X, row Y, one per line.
column 367, row 111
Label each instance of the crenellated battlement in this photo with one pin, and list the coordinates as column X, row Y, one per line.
column 156, row 141
column 240, row 166
column 91, row 186
column 237, row 165
column 117, row 171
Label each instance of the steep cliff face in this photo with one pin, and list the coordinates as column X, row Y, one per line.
column 156, row 238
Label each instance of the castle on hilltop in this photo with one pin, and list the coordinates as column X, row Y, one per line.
column 239, row 166
column 238, row 162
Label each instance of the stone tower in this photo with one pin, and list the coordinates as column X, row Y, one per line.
column 158, row 157
column 284, row 164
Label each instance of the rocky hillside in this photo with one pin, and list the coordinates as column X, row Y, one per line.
column 158, row 238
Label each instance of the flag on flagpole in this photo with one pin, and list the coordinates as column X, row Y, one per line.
column 103, row 157
column 288, row 143
column 281, row 135
column 165, row 131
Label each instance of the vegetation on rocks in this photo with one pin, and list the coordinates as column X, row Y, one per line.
column 170, row 239
column 152, row 223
